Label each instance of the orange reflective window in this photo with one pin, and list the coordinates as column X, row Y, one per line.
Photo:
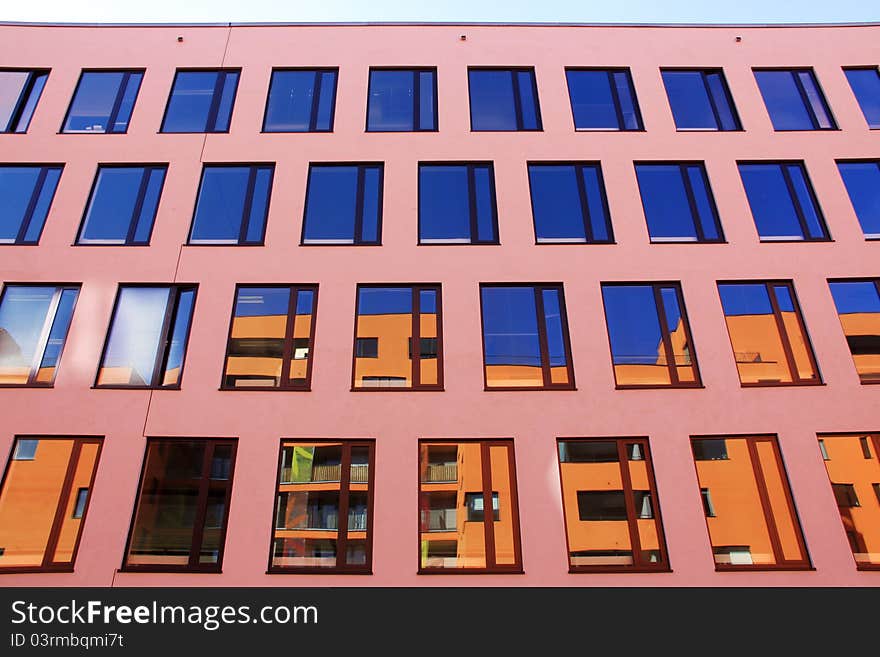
column 858, row 307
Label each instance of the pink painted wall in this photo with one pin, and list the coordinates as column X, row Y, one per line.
column 398, row 420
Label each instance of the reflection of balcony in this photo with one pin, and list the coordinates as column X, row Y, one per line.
column 359, row 474
column 750, row 357
column 445, row 473
column 315, row 522
column 439, row 520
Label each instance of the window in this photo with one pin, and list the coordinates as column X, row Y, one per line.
column 612, row 520
column 794, row 100
column 301, row 100
column 858, row 307
column 27, row 193
column 854, row 472
column 180, row 516
column 700, row 99
column 19, row 94
column 398, row 338
column 458, row 480
column 457, row 204
column 233, row 204
column 201, row 101
column 146, row 343
column 678, row 202
column 782, row 200
column 767, row 334
column 324, row 507
column 503, row 99
column 103, row 102
column 569, row 203
column 343, row 204
column 271, row 338
column 34, row 320
column 44, row 501
column 525, row 337
column 753, row 524
column 865, row 83
column 603, row 99
column 402, row 100
column 862, row 180
column 651, row 342
column 122, row 205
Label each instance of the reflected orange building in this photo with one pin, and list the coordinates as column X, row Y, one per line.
column 862, row 332
column 658, row 372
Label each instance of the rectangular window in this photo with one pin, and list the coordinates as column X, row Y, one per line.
column 503, row 99
column 103, row 102
column 783, row 202
column 324, row 507
column 700, row 99
column 854, row 470
column 603, row 99
column 27, row 193
column 402, row 100
column 858, row 307
column 271, row 338
column 179, row 523
column 865, row 84
column 569, row 203
column 651, row 343
column 146, row 343
column 457, row 204
column 678, row 202
column 19, row 94
column 389, row 322
column 753, row 524
column 708, row 507
column 768, row 334
column 201, row 101
column 458, row 480
column 609, row 498
column 44, row 501
column 232, row 205
column 301, row 100
column 525, row 337
column 794, row 100
column 862, row 180
column 343, row 204
column 122, row 205
column 34, row 320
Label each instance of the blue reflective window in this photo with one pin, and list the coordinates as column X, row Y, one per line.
column 865, row 83
column 457, row 204
column 301, row 100
column 569, row 204
column 146, row 344
column 858, row 308
column 603, row 99
column 504, row 99
column 794, row 100
column 343, row 204
column 700, row 100
column 34, row 321
column 782, row 201
column 678, row 203
column 26, row 192
column 232, row 205
column 122, row 205
column 19, row 93
column 201, row 101
column 402, row 100
column 103, row 101
column 862, row 180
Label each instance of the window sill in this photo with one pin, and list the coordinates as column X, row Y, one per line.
column 762, row 568
column 796, row 384
column 171, row 571
column 677, row 129
column 336, row 244
column 682, row 240
column 695, row 386
column 18, row 570
column 216, row 244
column 261, row 389
column 576, row 129
column 469, row 571
column 37, row 385
column 868, row 566
column 459, row 244
column 120, row 387
column 316, row 571
column 791, row 240
column 400, row 389
column 595, row 570
column 539, row 242
column 529, row 389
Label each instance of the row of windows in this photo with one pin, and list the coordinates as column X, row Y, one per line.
column 398, row 335
column 456, row 202
column 323, row 514
column 405, row 100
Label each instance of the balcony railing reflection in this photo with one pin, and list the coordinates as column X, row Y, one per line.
column 359, row 474
column 446, row 473
column 357, row 522
column 439, row 520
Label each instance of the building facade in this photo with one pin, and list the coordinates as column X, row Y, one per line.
column 296, row 305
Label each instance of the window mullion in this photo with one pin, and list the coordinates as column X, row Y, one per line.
column 585, row 206
column 162, row 352
column 248, row 202
column 60, row 511
column 316, row 99
column 692, row 202
column 517, row 98
column 760, row 480
column 664, row 330
column 629, row 502
column 139, row 204
column 43, row 340
column 219, row 84
column 117, row 102
column 416, row 101
column 359, row 208
column 783, row 334
column 472, row 203
column 615, row 98
column 416, row 355
column 711, row 98
column 488, row 508
column 23, row 95
column 32, row 204
column 287, row 347
column 202, row 505
column 805, row 99
column 342, row 520
column 542, row 335
column 795, row 201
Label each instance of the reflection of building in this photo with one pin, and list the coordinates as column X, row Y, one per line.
column 645, row 372
column 862, row 332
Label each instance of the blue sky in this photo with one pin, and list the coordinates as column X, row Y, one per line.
column 584, row 11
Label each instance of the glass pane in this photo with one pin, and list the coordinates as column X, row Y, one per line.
column 493, row 106
column 776, row 488
column 528, row 100
column 385, row 314
column 177, row 338
column 220, row 206
column 592, row 102
column 302, row 337
column 111, row 209
column 555, row 329
column 17, row 187
column 326, row 101
column 372, row 207
column 227, row 96
column 510, row 337
column 637, row 349
column 804, row 194
column 858, row 307
column 41, row 209
column 862, row 180
column 133, row 344
column 503, row 524
column 23, row 315
column 126, row 105
column 689, row 100
column 212, row 534
column 771, row 203
column 427, row 120
column 94, row 100
column 291, row 98
column 11, row 86
column 71, row 525
column 815, row 99
column 665, row 200
column 259, row 205
column 444, row 204
column 392, row 102
column 706, row 212
column 331, row 205
column 151, row 204
column 596, row 203
column 865, row 84
column 485, row 202
column 428, row 336
column 798, row 340
column 57, row 337
column 190, row 101
column 556, row 204
column 256, row 345
column 783, row 100
column 723, row 103
column 678, row 336
column 626, row 96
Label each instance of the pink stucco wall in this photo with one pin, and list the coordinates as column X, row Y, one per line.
column 464, row 409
